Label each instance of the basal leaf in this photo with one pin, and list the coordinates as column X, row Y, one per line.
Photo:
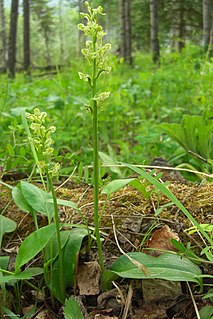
column 20, row 200
column 27, row 274
column 73, row 238
column 7, row 225
column 167, row 266
column 66, row 203
column 33, row 244
column 115, row 185
column 206, row 312
column 38, row 199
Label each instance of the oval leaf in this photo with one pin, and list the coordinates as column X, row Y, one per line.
column 167, row 266
column 7, row 225
column 27, row 274
column 73, row 240
column 20, row 200
column 38, row 199
column 33, row 244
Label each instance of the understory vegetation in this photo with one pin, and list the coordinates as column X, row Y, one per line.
column 100, row 136
column 142, row 98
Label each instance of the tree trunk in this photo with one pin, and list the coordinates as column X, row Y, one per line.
column 46, row 40
column 122, row 29
column 154, row 31
column 26, row 36
column 128, row 32
column 207, row 22
column 12, row 38
column 61, row 37
column 3, row 35
column 125, row 30
column 209, row 53
column 181, row 26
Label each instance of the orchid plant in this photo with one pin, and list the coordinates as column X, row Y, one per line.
column 96, row 54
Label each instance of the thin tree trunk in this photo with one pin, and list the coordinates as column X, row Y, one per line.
column 209, row 53
column 12, row 38
column 61, row 38
column 207, row 22
column 46, row 39
column 125, row 30
column 3, row 35
column 128, row 32
column 26, row 36
column 154, row 31
column 122, row 29
column 181, row 26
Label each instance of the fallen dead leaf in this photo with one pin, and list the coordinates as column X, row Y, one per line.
column 149, row 312
column 99, row 316
column 155, row 290
column 88, row 278
column 161, row 240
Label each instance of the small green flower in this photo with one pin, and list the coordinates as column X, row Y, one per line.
column 94, row 50
column 101, row 97
column 41, row 138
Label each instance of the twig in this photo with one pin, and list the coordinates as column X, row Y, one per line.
column 193, row 301
column 135, row 262
column 128, row 302
column 161, row 167
column 67, row 180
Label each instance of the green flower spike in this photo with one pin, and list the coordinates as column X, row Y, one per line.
column 41, row 138
column 96, row 54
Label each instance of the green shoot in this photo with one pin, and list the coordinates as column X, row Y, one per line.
column 95, row 53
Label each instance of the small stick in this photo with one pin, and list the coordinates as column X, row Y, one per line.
column 135, row 262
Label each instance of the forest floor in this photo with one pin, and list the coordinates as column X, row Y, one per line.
column 136, row 228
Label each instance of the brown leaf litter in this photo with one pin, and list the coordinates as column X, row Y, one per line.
column 137, row 226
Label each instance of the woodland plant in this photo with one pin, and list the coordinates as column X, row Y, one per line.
column 42, row 142
column 95, row 53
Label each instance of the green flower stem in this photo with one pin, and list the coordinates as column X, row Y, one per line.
column 95, row 160
column 56, row 218
column 95, row 53
column 24, row 121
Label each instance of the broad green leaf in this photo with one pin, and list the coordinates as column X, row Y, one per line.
column 194, row 134
column 186, row 251
column 38, row 199
column 73, row 239
column 66, row 203
column 167, row 266
column 209, row 295
column 4, row 261
column 115, row 185
column 7, row 225
column 109, row 160
column 206, row 312
column 72, row 309
column 171, row 196
column 27, row 274
column 10, row 314
column 10, row 150
column 33, row 244
column 142, row 187
column 20, row 200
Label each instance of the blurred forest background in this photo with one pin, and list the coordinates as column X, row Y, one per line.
column 161, row 82
column 37, row 33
